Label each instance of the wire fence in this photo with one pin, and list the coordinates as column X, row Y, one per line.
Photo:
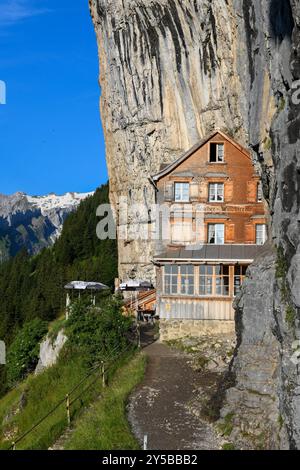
column 104, row 367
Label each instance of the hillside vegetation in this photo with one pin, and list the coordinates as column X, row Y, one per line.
column 105, row 425
column 93, row 336
column 32, row 287
column 33, row 408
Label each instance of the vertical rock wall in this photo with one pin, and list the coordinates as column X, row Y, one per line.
column 167, row 79
column 171, row 71
column 265, row 399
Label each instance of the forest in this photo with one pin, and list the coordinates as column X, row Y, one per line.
column 32, row 287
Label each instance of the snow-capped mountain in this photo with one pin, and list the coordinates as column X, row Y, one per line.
column 33, row 222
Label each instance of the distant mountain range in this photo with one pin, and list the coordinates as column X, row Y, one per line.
column 33, row 222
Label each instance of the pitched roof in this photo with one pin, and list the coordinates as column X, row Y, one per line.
column 168, row 168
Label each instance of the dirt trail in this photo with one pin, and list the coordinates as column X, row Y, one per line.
column 160, row 407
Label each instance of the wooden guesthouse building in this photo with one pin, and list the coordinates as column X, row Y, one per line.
column 212, row 226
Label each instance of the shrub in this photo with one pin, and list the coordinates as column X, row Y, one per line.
column 98, row 332
column 281, row 264
column 290, row 316
column 23, row 353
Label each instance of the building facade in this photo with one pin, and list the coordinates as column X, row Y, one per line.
column 212, row 223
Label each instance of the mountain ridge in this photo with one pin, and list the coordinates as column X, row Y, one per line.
column 34, row 222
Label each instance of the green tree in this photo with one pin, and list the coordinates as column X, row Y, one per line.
column 23, row 353
column 32, row 286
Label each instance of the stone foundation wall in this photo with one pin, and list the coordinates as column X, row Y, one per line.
column 175, row 329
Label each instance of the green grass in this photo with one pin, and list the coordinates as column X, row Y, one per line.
column 42, row 393
column 281, row 104
column 104, row 426
column 290, row 316
column 228, row 446
column 56, row 326
column 225, row 428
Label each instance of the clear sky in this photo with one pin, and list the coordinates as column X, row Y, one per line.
column 50, row 130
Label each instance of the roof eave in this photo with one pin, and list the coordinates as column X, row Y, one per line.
column 205, row 260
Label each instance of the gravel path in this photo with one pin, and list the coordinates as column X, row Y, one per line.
column 160, row 407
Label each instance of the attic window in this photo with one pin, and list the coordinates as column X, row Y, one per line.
column 216, row 154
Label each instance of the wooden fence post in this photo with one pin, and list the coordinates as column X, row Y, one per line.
column 103, row 374
column 68, row 409
column 139, row 335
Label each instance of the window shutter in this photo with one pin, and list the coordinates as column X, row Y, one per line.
column 169, row 191
column 228, row 190
column 249, row 233
column 230, row 233
column 203, row 189
column 201, row 232
column 194, row 191
column 251, row 191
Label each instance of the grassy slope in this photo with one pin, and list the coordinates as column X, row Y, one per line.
column 104, row 426
column 42, row 393
column 42, row 396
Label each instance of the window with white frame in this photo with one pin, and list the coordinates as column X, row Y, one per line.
column 261, row 234
column 182, row 192
column 216, row 234
column 216, row 153
column 216, row 192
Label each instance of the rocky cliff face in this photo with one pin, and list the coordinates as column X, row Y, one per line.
column 170, row 72
column 265, row 399
column 167, row 78
column 33, row 222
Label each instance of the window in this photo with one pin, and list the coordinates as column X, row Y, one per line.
column 239, row 276
column 214, row 280
column 216, row 192
column 259, row 194
column 179, row 279
column 222, row 280
column 216, row 153
column 171, row 279
column 216, row 234
column 261, row 234
column 187, row 279
column 206, row 280
column 182, row 192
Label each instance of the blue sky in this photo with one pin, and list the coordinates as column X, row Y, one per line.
column 51, row 138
